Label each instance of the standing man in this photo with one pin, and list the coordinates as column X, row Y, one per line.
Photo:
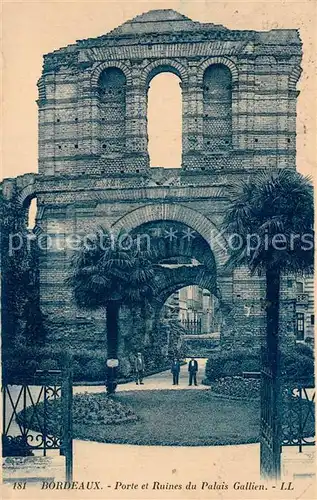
column 175, row 370
column 139, row 368
column 192, row 370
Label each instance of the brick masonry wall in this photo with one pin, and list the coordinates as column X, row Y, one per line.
column 264, row 68
column 81, row 184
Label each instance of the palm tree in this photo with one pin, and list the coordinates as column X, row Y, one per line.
column 271, row 216
column 107, row 272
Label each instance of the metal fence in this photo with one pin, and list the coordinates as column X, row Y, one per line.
column 193, row 327
column 298, row 427
column 38, row 417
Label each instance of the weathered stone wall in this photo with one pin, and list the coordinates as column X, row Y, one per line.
column 264, row 68
column 93, row 158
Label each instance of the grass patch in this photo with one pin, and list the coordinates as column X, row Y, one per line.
column 177, row 418
column 168, row 418
column 186, row 418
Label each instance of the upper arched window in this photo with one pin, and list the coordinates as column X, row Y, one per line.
column 217, row 99
column 112, row 107
column 164, row 116
column 31, row 213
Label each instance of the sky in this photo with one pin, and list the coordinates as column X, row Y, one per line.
column 31, row 29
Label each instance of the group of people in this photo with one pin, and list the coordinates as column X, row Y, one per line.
column 175, row 370
column 192, row 371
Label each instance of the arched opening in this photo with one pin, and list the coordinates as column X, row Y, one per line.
column 31, row 214
column 194, row 222
column 112, row 109
column 186, row 296
column 164, row 114
column 217, row 100
column 179, row 249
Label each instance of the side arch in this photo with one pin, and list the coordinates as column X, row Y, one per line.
column 170, row 65
column 178, row 213
column 218, row 60
column 110, row 64
column 175, row 279
column 26, row 194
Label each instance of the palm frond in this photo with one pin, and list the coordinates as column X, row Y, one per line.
column 272, row 204
column 103, row 271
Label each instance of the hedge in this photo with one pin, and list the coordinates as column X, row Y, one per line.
column 21, row 363
column 297, row 364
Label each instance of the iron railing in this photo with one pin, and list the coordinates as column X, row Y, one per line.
column 30, row 414
column 193, row 327
column 270, row 449
column 298, row 427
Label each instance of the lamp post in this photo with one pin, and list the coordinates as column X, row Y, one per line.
column 112, row 374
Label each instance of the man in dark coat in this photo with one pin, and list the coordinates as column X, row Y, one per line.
column 175, row 370
column 192, row 370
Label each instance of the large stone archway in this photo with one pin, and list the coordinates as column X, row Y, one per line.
column 183, row 262
column 182, row 214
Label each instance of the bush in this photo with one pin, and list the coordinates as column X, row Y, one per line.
column 237, row 387
column 125, row 367
column 305, row 350
column 89, row 365
column 232, row 363
column 297, row 364
column 95, row 370
column 20, row 363
column 16, row 367
column 250, row 365
column 297, row 368
column 49, row 364
column 15, row 447
column 231, row 367
column 78, row 371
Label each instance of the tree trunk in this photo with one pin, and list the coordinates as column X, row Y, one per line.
column 113, row 308
column 144, row 318
column 271, row 391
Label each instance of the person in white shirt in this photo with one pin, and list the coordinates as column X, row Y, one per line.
column 139, row 368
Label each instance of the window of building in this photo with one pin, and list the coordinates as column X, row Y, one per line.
column 217, row 100
column 300, row 327
column 299, row 287
column 165, row 121
column 289, row 283
column 312, row 319
column 112, row 109
column 31, row 214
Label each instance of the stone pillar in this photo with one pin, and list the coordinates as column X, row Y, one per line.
column 136, row 117
column 242, row 309
column 192, row 95
column 46, row 124
column 243, row 106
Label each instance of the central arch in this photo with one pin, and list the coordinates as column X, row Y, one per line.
column 178, row 213
column 160, row 65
